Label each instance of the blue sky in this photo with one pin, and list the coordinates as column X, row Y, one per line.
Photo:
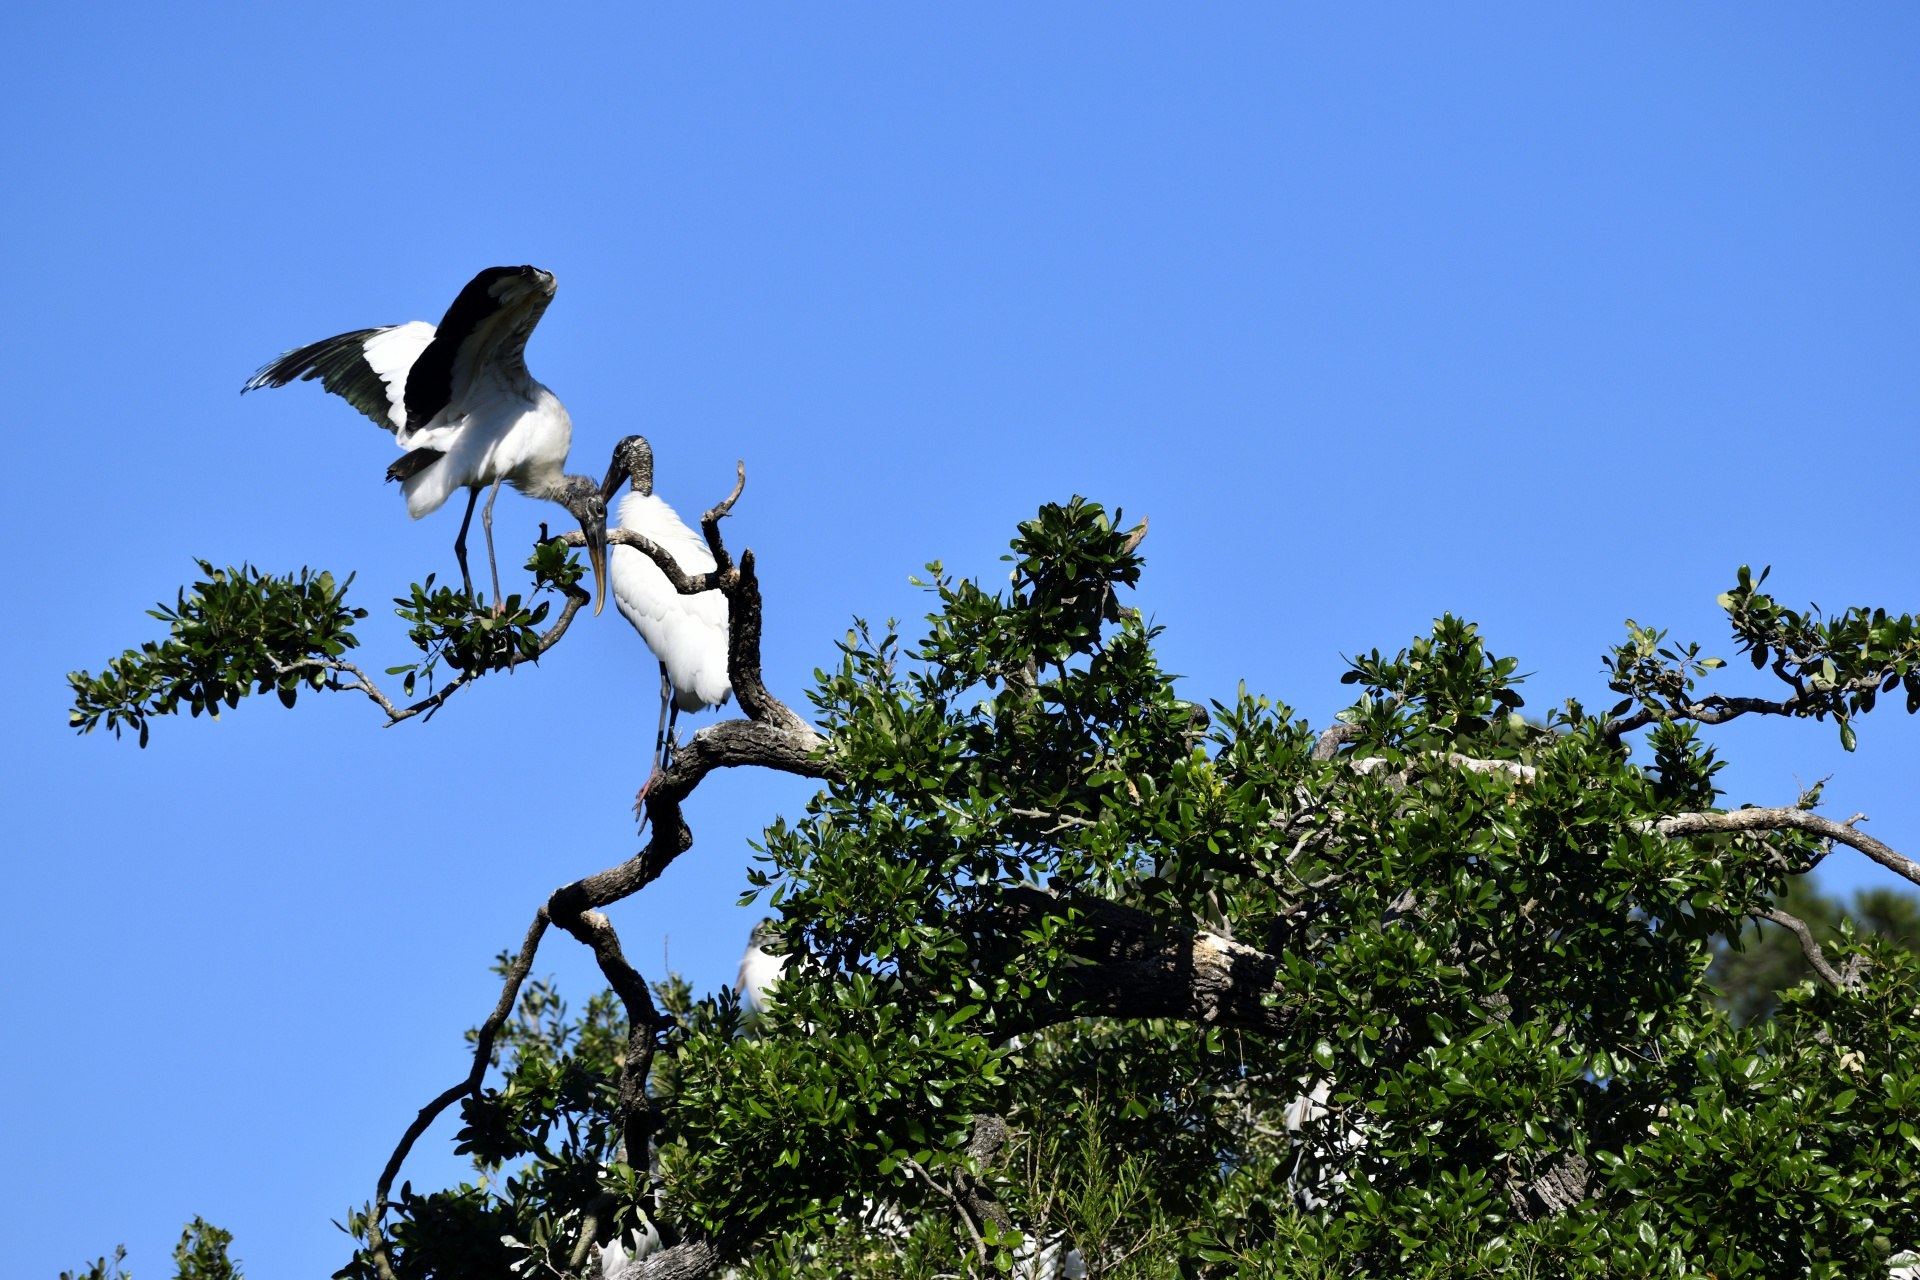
column 1550, row 319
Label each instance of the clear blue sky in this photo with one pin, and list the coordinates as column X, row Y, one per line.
column 1546, row 318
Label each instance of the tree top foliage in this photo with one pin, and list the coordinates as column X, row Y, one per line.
column 1080, row 973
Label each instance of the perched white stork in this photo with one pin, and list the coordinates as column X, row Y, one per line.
column 687, row 633
column 460, row 402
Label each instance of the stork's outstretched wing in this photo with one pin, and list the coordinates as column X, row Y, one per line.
column 367, row 368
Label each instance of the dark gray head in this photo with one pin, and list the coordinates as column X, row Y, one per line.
column 632, row 460
column 582, row 499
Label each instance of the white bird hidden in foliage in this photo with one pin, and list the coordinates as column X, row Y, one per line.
column 460, row 402
column 759, row 967
column 687, row 633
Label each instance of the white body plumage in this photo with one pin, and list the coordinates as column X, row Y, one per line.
column 687, row 633
column 508, row 434
column 759, row 967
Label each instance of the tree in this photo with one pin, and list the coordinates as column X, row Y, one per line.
column 1083, row 973
column 200, row 1255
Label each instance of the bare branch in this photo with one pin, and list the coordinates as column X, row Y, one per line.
column 1809, row 947
column 1788, row 819
column 482, row 1058
column 729, row 744
column 710, row 521
column 687, row 584
column 637, row 1112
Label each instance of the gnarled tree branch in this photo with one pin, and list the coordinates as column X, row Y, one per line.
column 1332, row 738
column 482, row 1056
column 1141, row 968
column 638, row 1116
column 1790, row 819
column 771, row 736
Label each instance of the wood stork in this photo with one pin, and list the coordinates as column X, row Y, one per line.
column 460, row 402
column 759, row 967
column 687, row 633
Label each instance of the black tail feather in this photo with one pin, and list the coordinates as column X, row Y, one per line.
column 413, row 462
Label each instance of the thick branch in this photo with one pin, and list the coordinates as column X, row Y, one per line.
column 1332, row 738
column 1787, row 819
column 743, row 655
column 689, row 1260
column 1140, row 968
column 727, row 745
column 644, row 1023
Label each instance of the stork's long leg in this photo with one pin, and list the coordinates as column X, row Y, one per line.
column 486, row 522
column 460, row 543
column 660, row 735
column 673, row 737
column 659, row 746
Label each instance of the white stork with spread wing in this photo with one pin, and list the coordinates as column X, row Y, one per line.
column 460, row 402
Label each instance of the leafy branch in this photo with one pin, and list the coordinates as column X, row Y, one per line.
column 236, row 632
column 239, row 632
column 1835, row 667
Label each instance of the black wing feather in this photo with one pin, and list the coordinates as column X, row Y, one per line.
column 341, row 365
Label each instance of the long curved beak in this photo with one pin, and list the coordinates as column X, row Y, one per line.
column 615, row 474
column 596, row 535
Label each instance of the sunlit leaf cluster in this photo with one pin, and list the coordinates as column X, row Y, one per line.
column 239, row 631
column 235, row 632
